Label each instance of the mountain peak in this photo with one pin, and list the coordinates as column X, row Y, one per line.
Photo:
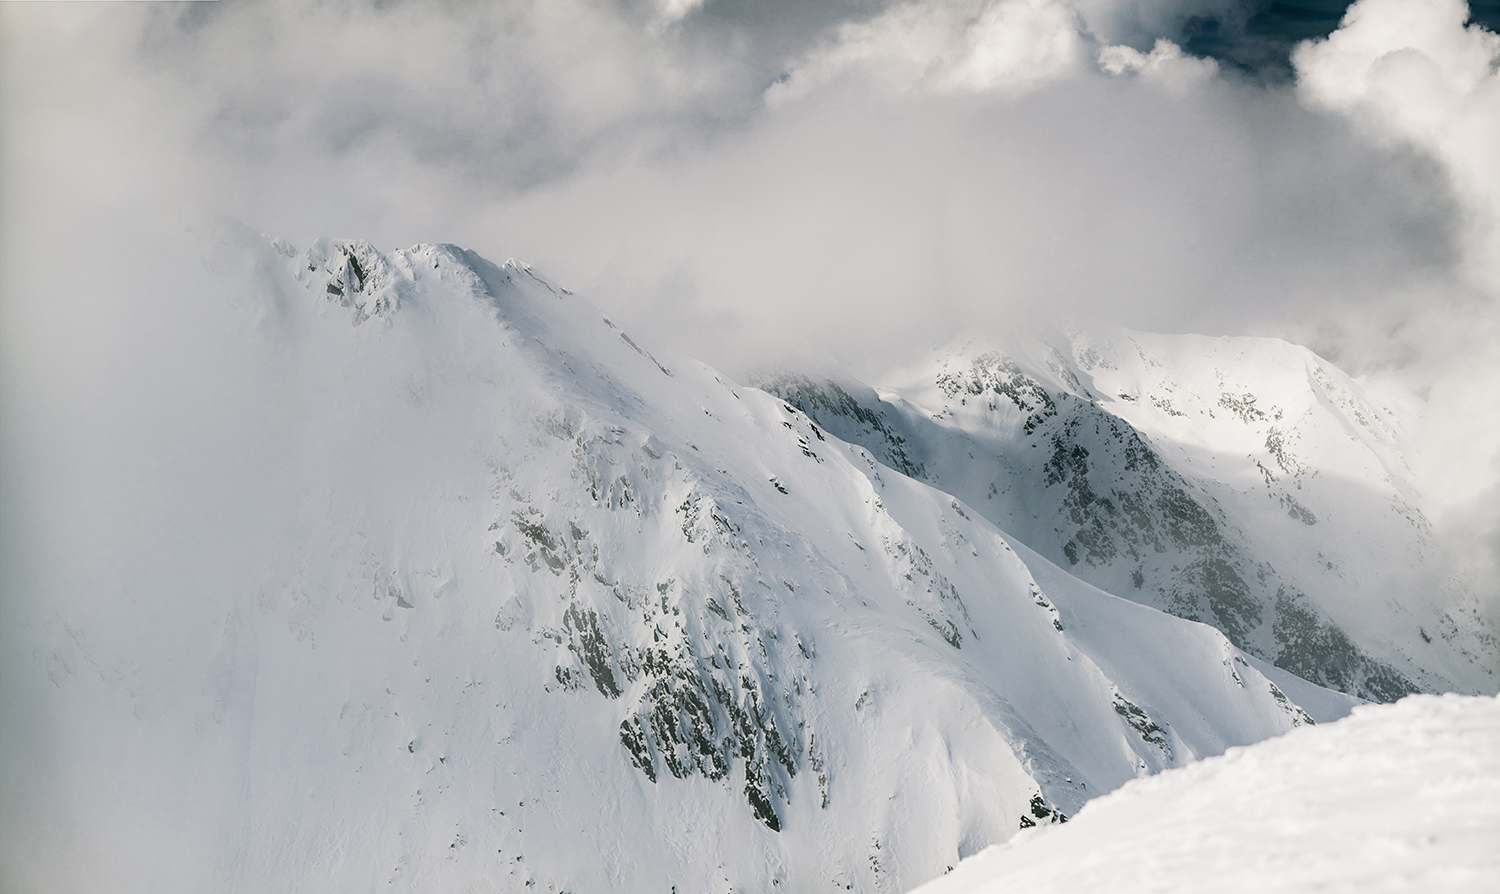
column 1185, row 472
column 528, row 598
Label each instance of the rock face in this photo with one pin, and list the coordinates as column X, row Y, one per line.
column 1244, row 483
column 536, row 609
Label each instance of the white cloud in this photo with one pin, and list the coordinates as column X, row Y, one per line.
column 963, row 161
column 675, row 10
column 1166, row 64
column 1015, row 44
column 1009, row 46
column 929, row 166
column 1409, row 70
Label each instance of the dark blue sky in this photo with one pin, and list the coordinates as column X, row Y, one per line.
column 1259, row 38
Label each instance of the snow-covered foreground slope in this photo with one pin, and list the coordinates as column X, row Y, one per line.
column 1395, row 798
column 520, row 606
column 1242, row 482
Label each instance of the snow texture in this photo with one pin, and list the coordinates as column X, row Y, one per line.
column 1395, row 798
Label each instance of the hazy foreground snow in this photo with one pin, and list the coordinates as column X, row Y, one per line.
column 1402, row 797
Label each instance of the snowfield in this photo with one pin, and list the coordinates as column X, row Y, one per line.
column 1395, row 798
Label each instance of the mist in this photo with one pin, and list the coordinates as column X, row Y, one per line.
column 739, row 184
column 759, row 183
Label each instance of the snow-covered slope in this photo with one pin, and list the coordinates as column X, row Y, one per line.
column 534, row 609
column 1316, row 468
column 1396, row 798
column 1242, row 482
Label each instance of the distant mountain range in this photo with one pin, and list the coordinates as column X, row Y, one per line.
column 1241, row 482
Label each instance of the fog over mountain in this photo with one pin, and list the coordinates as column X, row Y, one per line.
column 847, row 177
column 1247, row 253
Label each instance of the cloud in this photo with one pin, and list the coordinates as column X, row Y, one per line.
column 673, row 10
column 529, row 129
column 1165, row 64
column 1008, row 46
column 741, row 179
column 1408, row 72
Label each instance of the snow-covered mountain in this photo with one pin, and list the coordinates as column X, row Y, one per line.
column 1243, row 482
column 1395, row 798
column 537, row 608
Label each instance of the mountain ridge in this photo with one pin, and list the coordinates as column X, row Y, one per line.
column 1103, row 474
column 541, row 608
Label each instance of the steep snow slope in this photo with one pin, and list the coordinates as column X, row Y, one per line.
column 1316, row 468
column 1241, row 482
column 1396, row 798
column 533, row 609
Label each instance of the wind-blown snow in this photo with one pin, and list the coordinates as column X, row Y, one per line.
column 1395, row 798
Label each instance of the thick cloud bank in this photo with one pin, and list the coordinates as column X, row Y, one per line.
column 1410, row 73
column 754, row 177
